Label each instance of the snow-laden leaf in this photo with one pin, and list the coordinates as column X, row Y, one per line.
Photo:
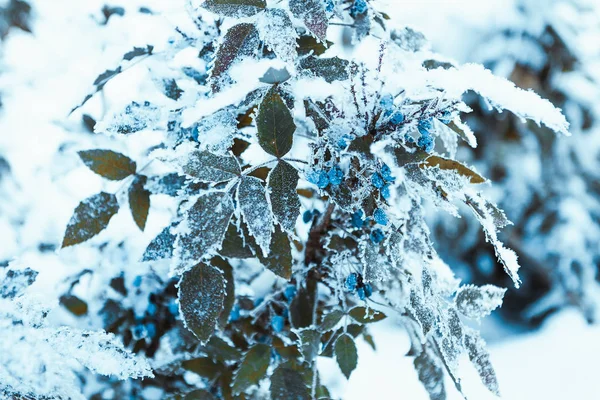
column 108, row 164
column 275, row 125
column 252, row 200
column 285, row 202
column 279, row 259
column 241, row 40
column 203, row 229
column 208, row 167
column 90, row 217
column 171, row 89
column 216, row 131
column 478, row 301
column 464, row 132
column 137, row 52
column 480, row 358
column 310, row 342
column 134, row 118
column 452, row 165
column 235, row 8
column 330, row 69
column 366, row 315
column 139, row 201
column 16, row 281
column 287, row 384
column 252, row 369
column 201, row 296
column 237, row 244
column 312, row 13
column 330, row 320
column 449, row 331
column 431, row 374
column 275, row 76
column 229, row 299
column 161, row 247
column 346, row 354
column 278, row 33
column 309, row 45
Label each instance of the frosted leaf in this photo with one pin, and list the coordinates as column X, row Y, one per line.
column 375, row 265
column 309, row 343
column 279, row 260
column 252, row 368
column 312, row 13
column 408, row 39
column 135, row 117
column 215, row 132
column 203, row 229
column 346, row 354
column 108, row 164
column 278, row 34
column 161, row 247
column 287, row 383
column 235, row 8
column 285, row 203
column 16, row 281
column 431, row 373
column 209, row 167
column 449, row 331
column 252, row 200
column 330, row 69
column 455, row 166
column 422, row 311
column 480, row 358
column 478, row 302
column 90, row 217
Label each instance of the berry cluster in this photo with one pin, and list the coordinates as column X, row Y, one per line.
column 393, row 115
column 354, row 281
column 426, row 141
column 323, row 178
column 359, row 7
column 381, row 181
column 329, row 5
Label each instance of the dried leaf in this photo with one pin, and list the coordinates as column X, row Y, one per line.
column 91, row 216
column 452, row 165
column 108, row 164
column 139, row 201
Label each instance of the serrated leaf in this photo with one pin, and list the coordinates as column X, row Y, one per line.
column 252, row 369
column 452, row 165
column 330, row 320
column 310, row 342
column 285, row 202
column 161, row 247
column 201, row 296
column 208, row 167
column 252, row 200
column 288, row 384
column 279, row 260
column 346, row 354
column 139, row 201
column 235, row 8
column 137, row 52
column 235, row 245
column 91, row 216
column 229, row 299
column 477, row 302
column 106, row 76
column 278, row 34
column 310, row 45
column 480, row 358
column 313, row 14
column 221, row 350
column 240, row 41
column 431, row 374
column 204, row 227
column 108, row 164
column 330, row 69
column 364, row 316
column 275, row 125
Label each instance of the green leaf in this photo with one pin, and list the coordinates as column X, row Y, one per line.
column 330, row 69
column 108, row 164
column 137, row 52
column 252, row 200
column 313, row 14
column 203, row 366
column 345, row 354
column 275, row 125
column 360, row 314
column 90, row 217
column 405, row 157
column 430, row 374
column 235, row 245
column 252, row 369
column 330, row 320
column 235, row 8
column 240, row 41
column 288, row 384
column 220, row 350
column 199, row 394
column 310, row 341
column 208, row 167
column 302, row 308
column 279, row 260
column 204, row 227
column 452, row 165
column 285, row 202
column 229, row 299
column 161, row 247
column 139, row 201
column 310, row 45
column 201, row 296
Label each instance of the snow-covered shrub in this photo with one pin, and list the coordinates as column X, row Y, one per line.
column 300, row 168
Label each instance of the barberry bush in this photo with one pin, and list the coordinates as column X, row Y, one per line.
column 304, row 145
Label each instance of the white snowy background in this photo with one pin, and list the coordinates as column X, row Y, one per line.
column 44, row 74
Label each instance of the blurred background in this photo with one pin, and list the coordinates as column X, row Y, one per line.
column 543, row 341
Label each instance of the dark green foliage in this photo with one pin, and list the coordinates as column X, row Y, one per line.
column 346, row 354
column 275, row 125
column 286, row 384
column 252, row 369
column 139, row 201
column 90, row 217
column 285, row 202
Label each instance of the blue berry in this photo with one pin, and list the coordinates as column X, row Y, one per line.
column 277, row 323
column 137, row 281
column 151, row 329
column 312, row 176
column 352, row 281
column 323, row 180
column 377, row 236
column 336, row 175
column 235, row 313
column 368, row 290
column 307, row 216
column 385, row 192
column 329, row 5
column 424, row 126
column 174, row 308
column 380, row 217
column 361, row 293
column 377, row 180
column 151, row 310
column 359, row 7
column 357, row 219
column 387, row 101
column 342, row 144
column 386, row 173
column 426, row 143
column 409, row 139
column 290, row 292
column 397, row 118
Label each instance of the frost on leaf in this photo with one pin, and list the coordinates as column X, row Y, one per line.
column 161, row 247
column 252, row 369
column 478, row 302
column 480, row 358
column 90, row 217
column 203, row 229
column 285, row 202
column 108, row 164
column 312, row 13
column 252, row 200
column 235, row 8
column 16, row 281
column 310, row 342
column 139, row 201
column 279, row 259
column 275, row 125
column 330, row 69
column 346, row 354
column 278, row 34
column 209, row 167
column 201, row 296
column 134, row 118
column 240, row 41
column 286, row 383
column 215, row 132
column 452, row 165
column 431, row 373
